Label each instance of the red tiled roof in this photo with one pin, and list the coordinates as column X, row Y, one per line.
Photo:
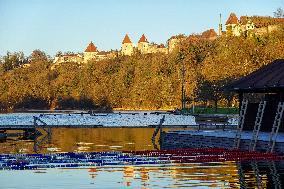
column 244, row 20
column 233, row 19
column 102, row 53
column 263, row 21
column 68, row 55
column 126, row 39
column 143, row 39
column 209, row 34
column 161, row 46
column 91, row 48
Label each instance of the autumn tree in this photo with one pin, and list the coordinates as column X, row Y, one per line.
column 38, row 55
column 141, row 81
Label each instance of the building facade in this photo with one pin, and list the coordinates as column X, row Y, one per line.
column 143, row 45
column 91, row 53
column 174, row 42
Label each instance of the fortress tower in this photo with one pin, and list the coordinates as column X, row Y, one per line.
column 90, row 52
column 127, row 46
column 143, row 45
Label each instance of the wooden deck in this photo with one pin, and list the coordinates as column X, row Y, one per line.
column 217, row 139
column 19, row 127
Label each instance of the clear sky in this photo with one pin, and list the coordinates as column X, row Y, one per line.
column 61, row 25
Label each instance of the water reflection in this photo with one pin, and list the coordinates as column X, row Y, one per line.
column 82, row 140
column 191, row 175
column 263, row 174
column 228, row 174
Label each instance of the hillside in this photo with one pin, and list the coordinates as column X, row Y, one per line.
column 151, row 81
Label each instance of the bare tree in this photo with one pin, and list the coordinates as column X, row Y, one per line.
column 279, row 13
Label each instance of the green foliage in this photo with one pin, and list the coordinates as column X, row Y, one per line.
column 209, row 110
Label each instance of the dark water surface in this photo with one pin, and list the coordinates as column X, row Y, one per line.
column 228, row 174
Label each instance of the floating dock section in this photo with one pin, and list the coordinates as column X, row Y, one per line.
column 218, row 139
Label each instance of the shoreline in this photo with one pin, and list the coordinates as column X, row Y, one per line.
column 115, row 110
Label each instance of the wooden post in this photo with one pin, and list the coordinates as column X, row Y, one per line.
column 281, row 98
column 35, row 119
column 241, row 97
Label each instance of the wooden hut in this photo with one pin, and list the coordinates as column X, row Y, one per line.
column 261, row 116
column 265, row 84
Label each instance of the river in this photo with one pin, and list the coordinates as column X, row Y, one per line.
column 124, row 174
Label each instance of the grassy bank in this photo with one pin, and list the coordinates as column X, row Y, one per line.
column 209, row 110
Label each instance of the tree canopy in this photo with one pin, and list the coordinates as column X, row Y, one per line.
column 150, row 81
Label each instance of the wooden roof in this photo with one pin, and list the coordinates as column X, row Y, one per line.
column 266, row 79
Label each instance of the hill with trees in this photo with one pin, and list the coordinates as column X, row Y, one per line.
column 151, row 81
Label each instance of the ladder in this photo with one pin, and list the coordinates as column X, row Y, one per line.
column 158, row 128
column 44, row 126
column 241, row 174
column 241, row 124
column 275, row 127
column 256, row 174
column 257, row 125
column 275, row 175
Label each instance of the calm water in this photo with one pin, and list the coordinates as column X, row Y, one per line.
column 221, row 175
column 226, row 174
column 82, row 140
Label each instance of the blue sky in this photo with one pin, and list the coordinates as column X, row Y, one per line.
column 61, row 25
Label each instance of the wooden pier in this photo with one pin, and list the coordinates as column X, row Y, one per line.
column 218, row 139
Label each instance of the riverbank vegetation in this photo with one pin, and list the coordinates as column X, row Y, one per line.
column 151, row 81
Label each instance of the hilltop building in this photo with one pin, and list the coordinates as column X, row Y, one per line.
column 161, row 49
column 90, row 53
column 78, row 58
column 246, row 24
column 127, row 46
column 143, row 46
column 251, row 25
column 174, row 42
column 209, row 34
column 232, row 25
